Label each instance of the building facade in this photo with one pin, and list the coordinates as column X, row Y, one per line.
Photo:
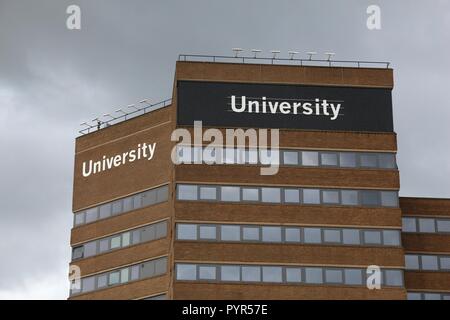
column 147, row 226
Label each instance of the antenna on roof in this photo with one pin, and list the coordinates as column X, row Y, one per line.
column 292, row 54
column 236, row 51
column 108, row 115
column 329, row 55
column 310, row 54
column 275, row 52
column 84, row 124
column 255, row 51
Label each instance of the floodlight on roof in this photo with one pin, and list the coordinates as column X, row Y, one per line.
column 236, row 51
column 292, row 54
column 255, row 51
column 274, row 53
column 329, row 55
column 310, row 54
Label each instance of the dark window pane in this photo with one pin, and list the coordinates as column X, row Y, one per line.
column 411, row 262
column 353, row 277
column 207, row 272
column 272, row 274
column 409, row 225
column 391, row 237
column 77, row 252
column 250, row 233
column 208, row 232
column 332, row 235
column 271, row 234
column 351, row 236
column 312, row 235
column 368, row 160
column 429, row 262
column 148, row 198
column 186, row 272
column 293, row 274
column 292, row 234
column 369, row 198
column 333, row 276
column 229, row 273
column 313, row 275
column 386, row 160
column 162, row 194
column 116, row 207
column 105, row 211
column 394, row 278
column 372, row 237
column 443, row 225
column 389, row 198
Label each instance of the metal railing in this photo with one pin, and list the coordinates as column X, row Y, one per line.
column 288, row 61
column 100, row 124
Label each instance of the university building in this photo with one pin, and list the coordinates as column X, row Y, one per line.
column 146, row 227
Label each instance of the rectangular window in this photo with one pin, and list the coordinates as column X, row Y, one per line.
column 311, row 196
column 368, row 160
column 351, row 236
column 251, row 274
column 391, row 237
column 272, row 274
column 105, row 211
column 148, row 198
column 208, row 193
column 292, row 195
column 353, row 277
column 293, row 275
column 431, row 296
column 312, row 235
column 104, row 245
column 444, row 263
column 347, row 159
column 230, row 157
column 409, row 225
column 332, row 235
column 251, row 156
column 313, row 275
column 124, row 275
column 429, row 262
column 127, row 204
column 116, row 207
column 290, row 157
column 271, row 234
column 186, row 272
column 187, row 192
column 427, row 225
column 148, row 269
column 310, row 158
column 161, row 230
column 330, row 196
column 88, row 284
column 386, row 160
column 162, row 194
column 77, row 252
column 250, row 233
column 412, row 262
column 394, row 278
column 443, row 225
column 328, row 159
column 413, row 296
column 372, row 237
column 230, row 273
column 90, row 249
column 272, row 195
column 134, row 272
column 91, row 214
column 208, row 232
column 79, row 218
column 369, row 198
column 114, row 278
column 334, row 276
column 349, row 197
column 250, row 194
column 115, row 242
column 148, row 233
column 389, row 199
column 160, row 266
column 230, row 233
column 187, row 231
column 102, row 281
column 229, row 193
column 292, row 234
column 207, row 273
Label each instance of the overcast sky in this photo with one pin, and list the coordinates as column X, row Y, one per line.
column 52, row 79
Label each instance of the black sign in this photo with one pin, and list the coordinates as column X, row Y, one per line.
column 246, row 105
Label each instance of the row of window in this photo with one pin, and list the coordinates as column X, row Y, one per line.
column 288, row 195
column 143, row 270
column 426, row 225
column 428, row 296
column 120, row 240
column 288, row 157
column 283, row 274
column 427, row 262
column 278, row 234
column 136, row 201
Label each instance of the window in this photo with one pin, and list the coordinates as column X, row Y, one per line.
column 102, row 281
column 116, row 207
column 208, row 193
column 251, row 274
column 330, row 196
column 187, row 231
column 104, row 245
column 426, row 225
column 312, row 235
column 230, row 156
column 77, row 253
column 409, row 225
column 115, row 242
column 429, row 262
column 353, row 277
column 160, row 266
column 271, row 195
column 207, row 272
column 114, row 278
column 389, row 199
column 412, row 262
column 187, row 192
column 229, row 273
column 90, row 249
column 369, row 198
column 105, row 210
column 230, row 233
column 251, row 156
column 332, row 235
column 333, row 276
column 134, row 272
column 88, row 284
column 432, row 296
column 445, row 263
column 229, row 193
column 349, row 197
column 208, row 232
column 310, row 158
column 79, row 218
column 413, row 296
column 292, row 234
column 250, row 194
column 394, row 278
column 271, row 274
column 386, row 160
column 311, row 196
column 290, row 157
column 161, row 230
column 148, row 233
column 147, row 269
column 347, row 159
column 127, row 204
column 391, row 237
column 271, row 234
column 368, row 160
column 443, row 225
column 91, row 215
column 328, row 159
column 148, row 198
column 292, row 195
column 186, row 272
column 250, row 233
column 313, row 275
column 372, row 237
column 124, row 275
column 293, row 275
column 351, row 236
